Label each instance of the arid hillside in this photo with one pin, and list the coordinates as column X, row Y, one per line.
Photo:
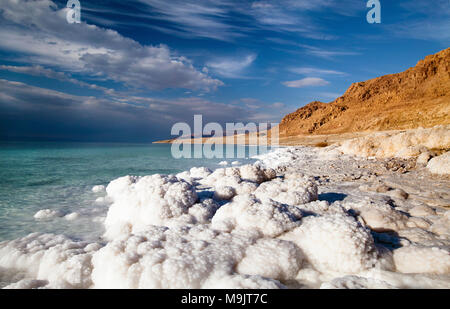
column 418, row 97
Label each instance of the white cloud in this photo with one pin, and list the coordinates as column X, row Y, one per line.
column 215, row 18
column 231, row 68
column 314, row 71
column 306, row 82
column 37, row 70
column 40, row 31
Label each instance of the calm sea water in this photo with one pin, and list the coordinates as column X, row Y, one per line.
column 60, row 176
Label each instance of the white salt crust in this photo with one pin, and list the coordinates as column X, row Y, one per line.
column 242, row 227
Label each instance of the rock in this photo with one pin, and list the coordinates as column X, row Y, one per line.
column 440, row 165
column 422, row 211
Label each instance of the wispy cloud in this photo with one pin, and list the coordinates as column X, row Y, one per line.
column 231, row 68
column 230, row 19
column 306, row 82
column 314, row 71
column 321, row 52
column 423, row 20
column 197, row 18
column 37, row 70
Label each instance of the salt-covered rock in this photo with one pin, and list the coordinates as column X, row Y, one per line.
column 335, row 243
column 440, row 164
column 47, row 214
column 98, row 189
column 53, row 258
column 291, row 191
column 143, row 201
column 268, row 217
column 414, row 259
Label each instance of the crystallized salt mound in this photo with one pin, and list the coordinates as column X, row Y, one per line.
column 27, row 284
column 355, row 282
column 408, row 281
column 203, row 212
column 440, row 165
column 422, row 211
column 47, row 214
column 195, row 173
column 379, row 216
column 272, row 258
column 224, row 193
column 179, row 258
column 243, row 180
column 335, row 243
column 278, row 157
column 56, row 259
column 405, row 144
column 414, row 259
column 200, row 172
column 143, row 201
column 291, row 191
column 97, row 189
column 268, row 217
column 322, row 208
column 256, row 173
column 72, row 216
column 240, row 282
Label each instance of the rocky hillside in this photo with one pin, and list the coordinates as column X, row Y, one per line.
column 418, row 97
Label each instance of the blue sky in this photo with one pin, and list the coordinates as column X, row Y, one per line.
column 131, row 69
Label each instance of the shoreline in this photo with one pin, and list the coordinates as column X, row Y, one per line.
column 299, row 217
column 299, row 140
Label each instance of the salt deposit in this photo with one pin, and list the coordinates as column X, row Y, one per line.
column 406, row 144
column 47, row 214
column 335, row 243
column 72, row 216
column 440, row 165
column 298, row 217
column 143, row 201
column 98, row 188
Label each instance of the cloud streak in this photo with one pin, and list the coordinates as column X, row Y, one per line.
column 306, row 82
column 232, row 68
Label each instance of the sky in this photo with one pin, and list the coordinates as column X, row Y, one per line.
column 130, row 70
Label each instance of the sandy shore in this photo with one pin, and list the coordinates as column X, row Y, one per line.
column 300, row 140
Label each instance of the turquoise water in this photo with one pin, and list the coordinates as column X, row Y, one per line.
column 60, row 176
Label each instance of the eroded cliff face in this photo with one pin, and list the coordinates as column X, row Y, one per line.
column 418, row 97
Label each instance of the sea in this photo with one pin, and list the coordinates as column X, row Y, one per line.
column 60, row 176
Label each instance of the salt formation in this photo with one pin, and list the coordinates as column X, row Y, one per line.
column 440, row 164
column 355, row 282
column 55, row 259
column 266, row 217
column 46, row 214
column 143, row 201
column 185, row 258
column 298, row 217
column 335, row 243
column 406, row 144
column 293, row 190
column 98, row 189
column 72, row 216
column 415, row 259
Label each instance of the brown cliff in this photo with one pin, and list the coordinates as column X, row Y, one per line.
column 418, row 97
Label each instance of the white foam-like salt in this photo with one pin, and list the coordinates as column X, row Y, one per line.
column 241, row 227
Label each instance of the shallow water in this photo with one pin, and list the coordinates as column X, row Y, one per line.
column 60, row 176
